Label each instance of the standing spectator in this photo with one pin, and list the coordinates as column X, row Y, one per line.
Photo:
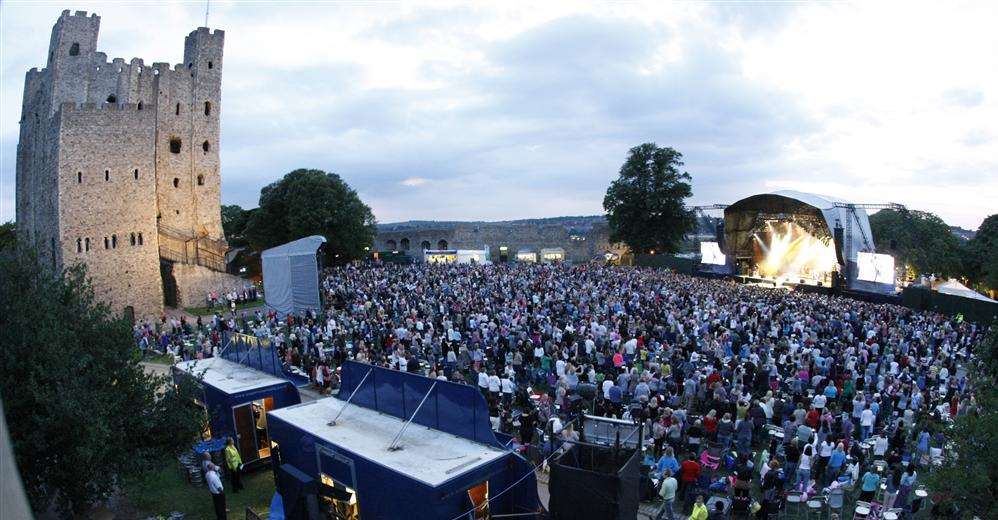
column 233, row 465
column 217, row 491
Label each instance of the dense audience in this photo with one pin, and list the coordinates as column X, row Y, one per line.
column 780, row 392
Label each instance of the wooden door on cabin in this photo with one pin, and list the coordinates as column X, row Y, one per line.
column 245, row 432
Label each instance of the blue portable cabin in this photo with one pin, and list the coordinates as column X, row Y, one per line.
column 236, row 398
column 447, row 464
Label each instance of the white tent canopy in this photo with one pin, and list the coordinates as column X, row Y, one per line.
column 291, row 275
column 956, row 288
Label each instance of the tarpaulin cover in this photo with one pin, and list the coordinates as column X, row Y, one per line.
column 595, row 482
column 259, row 354
column 457, row 409
column 291, row 275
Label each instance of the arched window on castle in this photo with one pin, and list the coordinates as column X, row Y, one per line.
column 207, row 108
column 74, row 49
column 114, row 241
column 404, row 243
column 140, row 238
column 178, row 109
column 175, row 145
column 79, row 177
column 131, row 239
column 112, row 98
column 205, row 146
column 200, row 180
column 425, row 245
column 140, row 103
column 79, row 245
column 176, row 182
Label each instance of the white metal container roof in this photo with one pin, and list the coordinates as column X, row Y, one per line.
column 228, row 376
column 429, row 456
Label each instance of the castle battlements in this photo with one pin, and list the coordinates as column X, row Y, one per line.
column 77, row 14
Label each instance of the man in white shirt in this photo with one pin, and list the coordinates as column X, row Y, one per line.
column 866, row 420
column 819, row 402
column 607, row 385
column 495, row 385
column 483, row 382
column 217, row 491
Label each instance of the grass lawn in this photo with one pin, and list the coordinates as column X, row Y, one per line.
column 159, row 359
column 205, row 311
column 164, row 490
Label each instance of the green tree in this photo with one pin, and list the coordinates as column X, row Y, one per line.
column 234, row 220
column 982, row 257
column 920, row 239
column 645, row 205
column 312, row 202
column 8, row 235
column 967, row 481
column 81, row 411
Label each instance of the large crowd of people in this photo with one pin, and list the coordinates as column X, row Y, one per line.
column 746, row 394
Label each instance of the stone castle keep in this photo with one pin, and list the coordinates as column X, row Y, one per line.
column 118, row 168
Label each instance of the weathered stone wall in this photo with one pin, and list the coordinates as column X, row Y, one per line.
column 579, row 245
column 94, row 159
column 105, row 180
column 195, row 282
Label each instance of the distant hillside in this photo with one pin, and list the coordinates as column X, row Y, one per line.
column 576, row 222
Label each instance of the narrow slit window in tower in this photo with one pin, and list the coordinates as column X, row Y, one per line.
column 86, row 244
column 175, row 145
column 131, row 238
column 207, row 108
column 114, row 241
column 140, row 104
column 200, row 180
column 74, row 49
column 107, row 175
column 176, row 182
column 205, row 146
column 178, row 109
column 79, row 245
column 136, row 174
column 79, row 177
column 140, row 238
column 211, row 65
column 107, row 243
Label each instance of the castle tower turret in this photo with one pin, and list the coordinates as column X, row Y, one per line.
column 71, row 55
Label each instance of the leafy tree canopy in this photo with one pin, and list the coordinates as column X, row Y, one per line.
column 234, row 220
column 8, row 235
column 312, row 202
column 920, row 239
column 80, row 409
column 645, row 205
column 982, row 260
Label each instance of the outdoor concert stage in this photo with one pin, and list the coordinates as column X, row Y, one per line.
column 799, row 240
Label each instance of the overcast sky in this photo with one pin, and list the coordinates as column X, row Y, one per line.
column 507, row 110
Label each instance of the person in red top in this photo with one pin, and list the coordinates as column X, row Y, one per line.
column 713, row 378
column 812, row 418
column 710, row 424
column 689, row 472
